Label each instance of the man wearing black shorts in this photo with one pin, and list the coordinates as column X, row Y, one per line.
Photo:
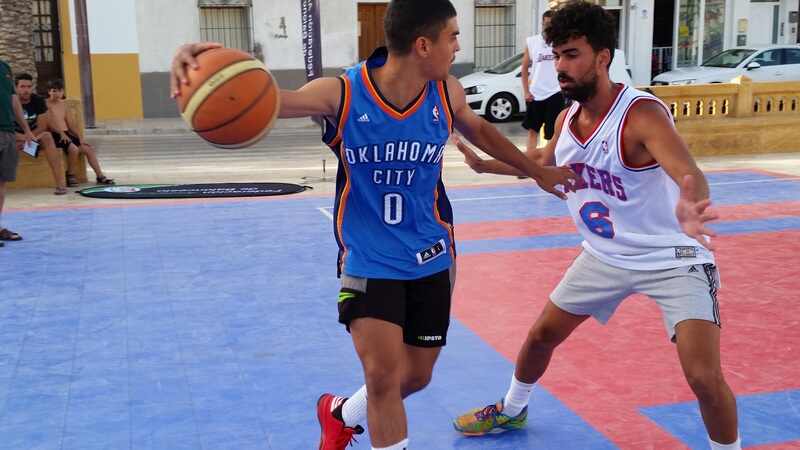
column 542, row 91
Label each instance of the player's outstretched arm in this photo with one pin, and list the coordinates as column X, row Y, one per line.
column 318, row 97
column 486, row 137
column 185, row 57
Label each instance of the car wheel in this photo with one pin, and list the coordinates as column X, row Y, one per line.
column 501, row 108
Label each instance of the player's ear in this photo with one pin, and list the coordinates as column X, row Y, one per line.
column 604, row 58
column 422, row 46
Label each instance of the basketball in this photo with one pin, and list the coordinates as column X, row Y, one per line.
column 232, row 99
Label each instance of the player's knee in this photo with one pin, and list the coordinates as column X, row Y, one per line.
column 542, row 338
column 415, row 382
column 705, row 382
column 46, row 140
column 381, row 380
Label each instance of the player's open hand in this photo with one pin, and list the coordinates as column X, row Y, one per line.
column 550, row 177
column 470, row 157
column 693, row 215
column 185, row 57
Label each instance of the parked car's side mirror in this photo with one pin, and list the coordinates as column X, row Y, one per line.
column 753, row 65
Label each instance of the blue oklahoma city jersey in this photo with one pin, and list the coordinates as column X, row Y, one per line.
column 392, row 217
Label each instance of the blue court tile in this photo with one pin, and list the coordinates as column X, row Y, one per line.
column 106, row 433
column 757, row 226
column 164, row 425
column 764, row 419
column 36, row 435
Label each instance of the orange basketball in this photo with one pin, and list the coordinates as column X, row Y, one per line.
column 232, row 99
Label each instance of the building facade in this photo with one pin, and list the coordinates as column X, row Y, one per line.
column 132, row 41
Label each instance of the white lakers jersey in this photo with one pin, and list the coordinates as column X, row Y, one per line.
column 625, row 214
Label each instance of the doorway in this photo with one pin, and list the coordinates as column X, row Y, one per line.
column 370, row 28
column 47, row 43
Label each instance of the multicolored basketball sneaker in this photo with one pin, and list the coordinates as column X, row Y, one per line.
column 335, row 436
column 489, row 420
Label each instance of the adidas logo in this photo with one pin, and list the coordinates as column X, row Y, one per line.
column 364, row 118
column 693, row 269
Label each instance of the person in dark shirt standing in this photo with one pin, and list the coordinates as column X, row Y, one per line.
column 10, row 112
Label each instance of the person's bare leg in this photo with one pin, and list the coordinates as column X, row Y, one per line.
column 379, row 345
column 417, row 368
column 552, row 327
column 532, row 142
column 699, row 354
column 51, row 153
column 91, row 158
column 2, row 199
column 72, row 159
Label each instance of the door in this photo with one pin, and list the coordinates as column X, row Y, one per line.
column 772, row 68
column 763, row 26
column 370, row 28
column 47, row 43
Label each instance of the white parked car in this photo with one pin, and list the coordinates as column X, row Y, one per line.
column 497, row 93
column 760, row 63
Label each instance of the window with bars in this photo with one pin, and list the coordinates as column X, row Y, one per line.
column 43, row 31
column 231, row 26
column 495, row 30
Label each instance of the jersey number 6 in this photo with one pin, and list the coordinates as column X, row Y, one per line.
column 595, row 216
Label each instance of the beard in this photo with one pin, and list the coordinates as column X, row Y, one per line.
column 580, row 91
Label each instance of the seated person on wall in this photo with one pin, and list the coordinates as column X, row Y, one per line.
column 34, row 109
column 67, row 136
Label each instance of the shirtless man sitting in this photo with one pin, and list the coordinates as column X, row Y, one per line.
column 67, row 136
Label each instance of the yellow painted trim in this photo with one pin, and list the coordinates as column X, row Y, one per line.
column 116, row 78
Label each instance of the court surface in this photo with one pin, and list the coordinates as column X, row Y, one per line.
column 212, row 324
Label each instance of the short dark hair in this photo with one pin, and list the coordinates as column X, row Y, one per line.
column 55, row 83
column 578, row 18
column 547, row 14
column 406, row 20
column 22, row 76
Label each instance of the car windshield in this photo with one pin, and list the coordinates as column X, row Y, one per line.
column 729, row 58
column 507, row 65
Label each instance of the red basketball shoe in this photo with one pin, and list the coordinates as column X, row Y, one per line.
column 335, row 436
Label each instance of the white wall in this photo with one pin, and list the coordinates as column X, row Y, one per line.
column 640, row 41
column 112, row 26
column 164, row 25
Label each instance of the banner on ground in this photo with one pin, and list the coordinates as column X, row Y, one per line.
column 136, row 191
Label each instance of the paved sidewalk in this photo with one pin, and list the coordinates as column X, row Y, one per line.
column 172, row 125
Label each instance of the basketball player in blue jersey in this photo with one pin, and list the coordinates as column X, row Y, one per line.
column 388, row 120
column 641, row 207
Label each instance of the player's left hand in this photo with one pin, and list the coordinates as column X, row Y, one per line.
column 185, row 57
column 470, row 157
column 693, row 215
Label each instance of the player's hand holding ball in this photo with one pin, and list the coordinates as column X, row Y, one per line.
column 225, row 95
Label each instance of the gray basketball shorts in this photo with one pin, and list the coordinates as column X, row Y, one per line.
column 420, row 307
column 9, row 156
column 593, row 288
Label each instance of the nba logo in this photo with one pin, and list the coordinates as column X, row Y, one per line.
column 605, row 146
column 435, row 113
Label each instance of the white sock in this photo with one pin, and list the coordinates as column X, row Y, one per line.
column 402, row 445
column 517, row 398
column 735, row 446
column 354, row 410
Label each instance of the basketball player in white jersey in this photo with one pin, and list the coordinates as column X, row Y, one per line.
column 641, row 208
column 542, row 92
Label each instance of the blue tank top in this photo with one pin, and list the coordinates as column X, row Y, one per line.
column 392, row 217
